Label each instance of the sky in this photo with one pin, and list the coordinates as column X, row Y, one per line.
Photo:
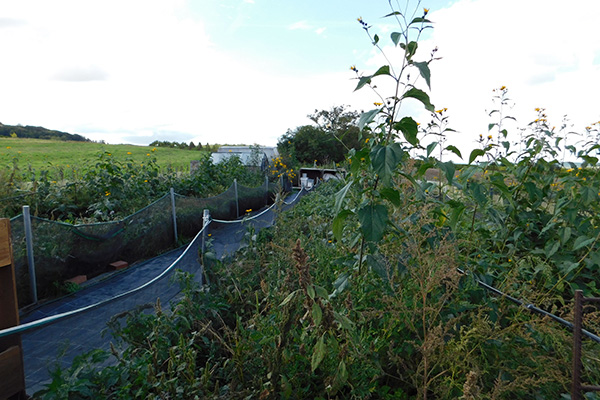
column 246, row 71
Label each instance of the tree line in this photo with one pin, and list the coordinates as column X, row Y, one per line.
column 37, row 132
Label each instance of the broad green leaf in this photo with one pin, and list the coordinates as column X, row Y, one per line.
column 588, row 195
column 590, row 160
column 479, row 194
column 449, row 169
column 341, row 283
column 582, row 241
column 410, row 49
column 362, row 81
column 418, row 19
column 474, row 154
column 430, row 147
column 424, row 71
column 454, row 150
column 338, row 223
column 551, row 248
column 455, row 214
column 318, row 353
column 373, row 220
column 385, row 70
column 396, row 36
column 375, row 39
column 392, row 14
column 392, row 195
column 367, row 117
column 409, row 129
column 385, row 159
column 421, row 96
column 310, row 290
column 340, row 196
column 321, row 292
column 565, row 234
column 490, row 126
column 317, row 314
column 343, row 320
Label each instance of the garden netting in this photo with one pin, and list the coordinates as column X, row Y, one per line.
column 59, row 331
column 63, row 251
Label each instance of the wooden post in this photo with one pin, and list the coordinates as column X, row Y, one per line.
column 12, row 374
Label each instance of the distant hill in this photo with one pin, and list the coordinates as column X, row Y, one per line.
column 37, row 132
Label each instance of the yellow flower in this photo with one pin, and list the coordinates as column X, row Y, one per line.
column 8, row 147
column 426, row 10
column 378, row 104
column 367, row 140
column 148, row 154
column 107, row 193
column 145, row 180
column 503, row 87
column 154, row 149
column 509, row 260
column 353, row 68
column 108, row 154
column 490, row 137
column 249, row 210
column 440, row 111
column 210, row 234
column 538, row 109
column 128, row 153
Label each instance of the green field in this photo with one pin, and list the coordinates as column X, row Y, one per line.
column 45, row 154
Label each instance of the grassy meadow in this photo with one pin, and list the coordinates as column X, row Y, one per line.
column 45, row 154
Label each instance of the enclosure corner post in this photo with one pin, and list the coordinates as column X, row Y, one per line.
column 266, row 190
column 205, row 222
column 30, row 260
column 174, row 213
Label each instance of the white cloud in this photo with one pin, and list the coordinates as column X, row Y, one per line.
column 319, row 31
column 303, row 25
column 543, row 51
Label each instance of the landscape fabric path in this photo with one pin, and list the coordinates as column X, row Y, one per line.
column 58, row 343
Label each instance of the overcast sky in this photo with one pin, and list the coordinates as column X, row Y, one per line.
column 245, row 71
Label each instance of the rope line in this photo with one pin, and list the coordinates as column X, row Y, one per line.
column 245, row 219
column 532, row 307
column 48, row 320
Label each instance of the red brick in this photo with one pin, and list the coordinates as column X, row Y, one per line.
column 119, row 265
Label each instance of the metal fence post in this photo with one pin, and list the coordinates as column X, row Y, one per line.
column 237, row 203
column 29, row 246
column 174, row 214
column 266, row 190
column 205, row 222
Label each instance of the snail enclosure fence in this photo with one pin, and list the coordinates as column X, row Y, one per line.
column 60, row 251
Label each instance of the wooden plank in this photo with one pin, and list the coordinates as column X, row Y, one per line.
column 11, row 372
column 5, row 248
